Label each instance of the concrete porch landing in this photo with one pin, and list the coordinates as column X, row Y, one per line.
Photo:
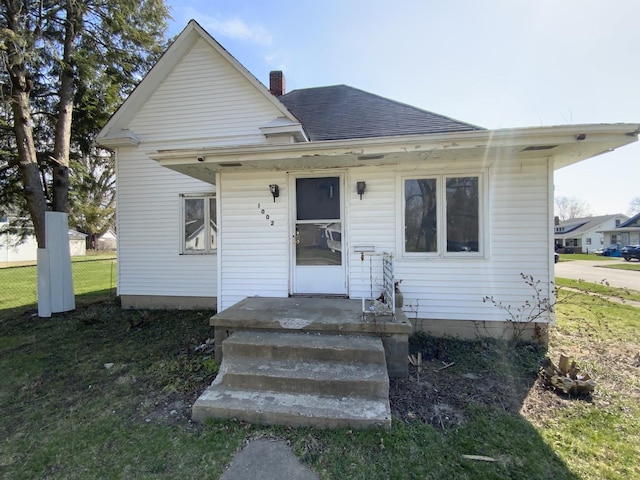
column 316, row 315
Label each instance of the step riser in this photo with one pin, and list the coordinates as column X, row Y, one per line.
column 200, row 414
column 303, row 353
column 364, row 388
column 291, row 409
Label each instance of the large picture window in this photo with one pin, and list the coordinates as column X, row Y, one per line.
column 442, row 216
column 199, row 225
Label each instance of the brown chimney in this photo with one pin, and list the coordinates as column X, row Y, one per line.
column 276, row 83
column 556, row 220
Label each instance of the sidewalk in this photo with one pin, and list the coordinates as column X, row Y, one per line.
column 622, row 301
column 267, row 460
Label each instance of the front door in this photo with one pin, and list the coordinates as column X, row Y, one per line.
column 319, row 263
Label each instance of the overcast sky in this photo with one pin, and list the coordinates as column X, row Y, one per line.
column 494, row 63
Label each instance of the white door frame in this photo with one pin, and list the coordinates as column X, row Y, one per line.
column 295, row 287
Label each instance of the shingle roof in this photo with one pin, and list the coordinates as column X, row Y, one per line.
column 342, row 112
column 632, row 222
column 577, row 226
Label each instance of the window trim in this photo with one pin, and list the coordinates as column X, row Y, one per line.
column 441, row 198
column 206, row 197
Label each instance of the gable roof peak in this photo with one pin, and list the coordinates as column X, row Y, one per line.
column 635, row 219
column 115, row 132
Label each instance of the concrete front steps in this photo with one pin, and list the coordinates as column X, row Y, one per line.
column 300, row 379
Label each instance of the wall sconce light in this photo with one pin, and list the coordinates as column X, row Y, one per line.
column 360, row 188
column 275, row 191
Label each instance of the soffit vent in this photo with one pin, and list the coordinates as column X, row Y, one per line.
column 533, row 148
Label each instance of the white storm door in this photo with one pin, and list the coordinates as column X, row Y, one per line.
column 319, row 260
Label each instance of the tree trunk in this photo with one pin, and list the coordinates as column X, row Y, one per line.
column 65, row 112
column 22, row 126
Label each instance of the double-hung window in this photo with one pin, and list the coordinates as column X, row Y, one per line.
column 442, row 216
column 199, row 232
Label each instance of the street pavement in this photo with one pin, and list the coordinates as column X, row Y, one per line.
column 593, row 271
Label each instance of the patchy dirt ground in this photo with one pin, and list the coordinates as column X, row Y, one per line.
column 439, row 392
column 453, row 377
column 442, row 389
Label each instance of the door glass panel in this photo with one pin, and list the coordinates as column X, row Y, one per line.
column 319, row 243
column 318, row 198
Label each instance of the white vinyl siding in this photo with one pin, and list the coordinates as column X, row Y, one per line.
column 203, row 102
column 254, row 238
column 370, row 223
column 148, row 226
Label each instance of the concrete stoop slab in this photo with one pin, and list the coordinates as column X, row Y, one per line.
column 315, row 316
column 292, row 409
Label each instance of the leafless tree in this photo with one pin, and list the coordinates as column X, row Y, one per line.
column 571, row 207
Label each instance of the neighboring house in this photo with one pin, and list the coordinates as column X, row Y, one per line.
column 627, row 233
column 13, row 248
column 308, row 189
column 16, row 250
column 107, row 241
column 77, row 243
column 584, row 235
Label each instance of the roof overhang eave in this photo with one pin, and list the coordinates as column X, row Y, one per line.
column 566, row 144
column 123, row 138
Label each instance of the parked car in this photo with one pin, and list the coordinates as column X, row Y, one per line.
column 630, row 251
column 611, row 251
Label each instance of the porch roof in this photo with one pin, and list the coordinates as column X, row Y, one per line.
column 566, row 144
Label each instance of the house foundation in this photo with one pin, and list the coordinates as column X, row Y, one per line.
column 470, row 330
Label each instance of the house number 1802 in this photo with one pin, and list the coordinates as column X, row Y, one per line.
column 266, row 215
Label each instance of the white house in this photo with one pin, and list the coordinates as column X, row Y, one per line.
column 106, row 241
column 14, row 249
column 625, row 233
column 584, row 235
column 307, row 189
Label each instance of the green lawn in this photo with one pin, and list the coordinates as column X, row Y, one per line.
column 105, row 393
column 634, row 266
column 92, row 274
column 567, row 257
column 599, row 289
